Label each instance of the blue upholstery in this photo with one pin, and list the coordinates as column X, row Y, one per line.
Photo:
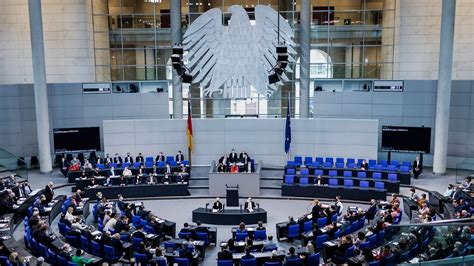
column 329, row 160
column 350, row 160
column 359, row 162
column 289, row 179
column 125, row 165
column 124, row 237
column 321, row 222
column 320, row 159
column 241, row 236
column 95, row 249
column 186, row 162
column 137, row 164
column 290, row 171
column 260, row 234
column 394, row 162
column 136, row 220
column 161, row 164
column 51, row 257
column 377, row 175
column 43, row 250
column 73, row 241
column 61, row 261
column 109, row 253
column 248, row 262
column 337, row 234
column 364, row 184
column 100, row 166
column 169, row 245
column 293, row 262
column 351, row 165
column 85, row 244
column 361, row 174
column 405, row 163
column 70, row 263
column 298, row 160
column 379, row 185
column 372, row 241
column 380, row 237
column 347, row 174
column 348, row 183
column 392, row 168
column 149, row 159
column 318, row 172
column 374, row 263
column 372, row 164
column 304, row 171
column 136, row 242
column 339, row 160
column 148, row 164
column 182, row 261
column 316, row 164
column 320, row 240
column 308, row 160
column 276, row 263
column 354, row 226
column 327, row 164
column 141, row 258
column 307, row 226
column 404, row 256
column 332, row 173
column 339, row 165
column 304, row 180
column 173, row 163
column 184, row 235
column 293, row 231
column 114, row 165
column 364, row 245
column 379, row 167
column 334, row 218
column 392, row 177
column 333, row 182
column 149, row 229
column 203, row 236
column 404, row 169
column 384, row 163
column 313, row 259
column 225, row 263
column 361, row 222
column 169, row 159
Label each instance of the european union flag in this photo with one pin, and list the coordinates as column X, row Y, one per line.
column 287, row 130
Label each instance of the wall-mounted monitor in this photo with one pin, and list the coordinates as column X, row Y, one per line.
column 80, row 139
column 406, row 139
column 388, row 85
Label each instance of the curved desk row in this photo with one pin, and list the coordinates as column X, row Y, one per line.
column 129, row 180
column 403, row 177
column 328, row 192
column 229, row 217
column 138, row 191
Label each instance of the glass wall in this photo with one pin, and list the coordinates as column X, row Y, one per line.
column 350, row 39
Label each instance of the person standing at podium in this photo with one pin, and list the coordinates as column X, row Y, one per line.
column 217, row 206
column 249, row 205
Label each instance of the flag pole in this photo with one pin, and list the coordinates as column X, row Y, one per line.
column 289, row 109
column 189, row 148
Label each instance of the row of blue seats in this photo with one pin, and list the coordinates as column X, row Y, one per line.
column 313, row 260
column 350, row 163
column 147, row 164
column 304, row 172
column 348, row 183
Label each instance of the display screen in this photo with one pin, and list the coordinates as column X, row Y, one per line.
column 406, row 139
column 79, row 139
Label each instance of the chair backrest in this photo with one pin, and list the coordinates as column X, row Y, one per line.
column 364, row 245
column 379, row 185
column 248, row 262
column 329, row 160
column 372, row 240
column 314, row 259
column 289, row 179
column 114, row 165
column 293, row 230
column 321, row 222
column 51, row 256
column 350, row 251
column 290, row 171
column 372, row 162
column 333, row 173
column 169, row 159
column 137, row 164
column 275, row 263
column 225, row 263
column 339, row 165
column 333, row 182
column 293, row 262
column 377, row 175
column 72, row 240
column 320, row 159
column 182, row 261
column 393, row 177
column 384, row 163
column 61, row 260
column 260, row 234
column 149, row 229
column 374, row 263
column 320, row 240
column 160, row 164
column 404, row 256
column 327, row 164
column 349, row 183
column 350, row 160
column 361, row 222
column 203, row 236
column 85, row 243
column 109, row 252
column 394, row 162
column 148, row 164
column 339, row 160
column 136, row 220
column 304, row 180
column 364, row 184
column 316, row 164
column 241, row 236
column 354, row 226
column 95, row 248
column 70, row 263
column 169, row 245
column 184, row 235
column 350, row 165
column 298, row 160
column 318, row 172
column 404, row 169
column 392, row 168
column 308, row 160
column 136, row 242
column 100, row 166
column 381, row 237
column 304, row 171
column 141, row 258
column 307, row 226
column 361, row 174
column 347, row 173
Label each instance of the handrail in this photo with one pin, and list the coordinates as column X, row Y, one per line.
column 450, row 222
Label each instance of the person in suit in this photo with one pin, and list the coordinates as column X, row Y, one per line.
column 19, row 191
column 166, row 179
column 316, row 211
column 139, row 232
column 225, row 254
column 129, row 158
column 224, row 160
column 417, row 167
column 168, row 168
column 48, row 192
column 120, row 202
column 244, row 157
column 151, row 180
column 123, row 181
column 64, row 166
column 200, row 228
column 108, row 160
column 233, row 157
column 99, row 160
column 364, row 165
column 338, row 204
column 139, row 158
column 291, row 253
column 117, row 159
column 260, row 226
column 117, row 244
column 112, row 172
column 249, row 205
column 141, row 172
column 217, row 206
column 221, row 168
column 160, row 157
column 179, row 157
column 371, row 211
column 184, row 252
column 247, row 255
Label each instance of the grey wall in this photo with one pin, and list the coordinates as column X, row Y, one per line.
column 262, row 139
column 414, row 107
column 68, row 107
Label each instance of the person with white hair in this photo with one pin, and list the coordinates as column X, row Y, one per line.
column 250, row 205
column 217, row 205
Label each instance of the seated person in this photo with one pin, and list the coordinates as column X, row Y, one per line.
column 234, row 168
column 117, row 159
column 233, row 157
column 69, row 216
column 129, row 158
column 270, row 244
column 413, row 195
column 79, row 260
column 87, row 165
column 83, row 175
column 466, row 183
column 260, row 226
column 449, row 191
column 184, row 252
column 224, row 160
column 160, row 158
column 123, row 181
column 225, row 254
column 221, row 168
column 200, row 228
column 126, row 172
column 151, row 180
column 168, row 169
column 139, row 158
column 96, row 173
column 112, row 173
column 179, row 157
column 139, row 232
column 217, row 206
column 364, row 165
column 117, row 244
column 249, row 205
column 242, row 228
column 318, row 180
column 244, row 158
column 291, row 254
column 141, row 172
column 247, row 255
column 166, row 179
column 183, row 175
column 422, row 200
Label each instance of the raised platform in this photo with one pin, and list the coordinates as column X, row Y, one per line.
column 229, row 216
column 249, row 183
column 138, row 191
column 329, row 192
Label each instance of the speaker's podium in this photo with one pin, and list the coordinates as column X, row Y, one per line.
column 248, row 183
column 232, row 196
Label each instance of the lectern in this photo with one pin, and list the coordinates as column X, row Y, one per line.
column 232, row 196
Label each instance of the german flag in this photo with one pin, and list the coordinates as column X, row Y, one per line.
column 189, row 131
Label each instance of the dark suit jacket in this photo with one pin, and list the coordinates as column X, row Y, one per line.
column 138, row 234
column 160, row 158
column 224, row 255
column 48, row 193
column 233, row 157
column 371, row 211
column 129, row 159
column 139, row 159
column 364, row 165
column 179, row 157
column 217, row 205
column 185, row 253
column 118, row 159
column 246, row 205
column 117, row 245
column 420, row 166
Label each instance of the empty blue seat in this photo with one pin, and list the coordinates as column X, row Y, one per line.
column 339, row 160
column 329, row 159
column 85, row 244
column 169, row 159
column 361, row 222
column 320, row 240
column 149, row 229
column 394, row 162
column 184, row 235
column 404, row 169
column 316, row 164
column 380, row 185
column 294, row 231
column 61, row 261
column 101, row 166
column 136, row 242
column 160, row 164
column 377, row 175
column 364, row 245
column 372, row 164
column 290, row 171
column 381, row 237
column 173, row 163
column 148, row 164
column 294, row 262
column 298, row 160
column 392, row 168
column 333, row 182
column 318, row 172
column 384, row 163
column 321, row 222
column 114, row 165
column 347, row 173
column 314, row 259
column 181, row 261
column 304, row 180
column 304, row 171
column 372, row 241
column 379, row 167
column 348, row 183
column 289, row 179
column 307, row 226
column 95, row 249
column 320, row 159
column 260, row 234
column 405, row 163
column 137, row 164
column 248, row 262
column 169, row 245
column 308, row 160
column 332, row 172
column 364, row 184
column 327, row 164
column 186, row 162
column 149, row 159
column 339, row 165
column 350, row 160
column 225, row 263
column 354, row 226
column 337, row 234
column 334, row 217
column 392, row 177
column 125, row 165
column 291, row 164
column 203, row 236
column 361, row 174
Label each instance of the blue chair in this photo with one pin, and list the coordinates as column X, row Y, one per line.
column 361, row 174
column 149, row 229
column 334, row 218
column 389, row 261
column 405, row 163
column 125, row 165
column 298, row 160
column 321, row 222
column 404, row 256
column 293, row 231
column 51, row 259
column 374, row 263
column 337, row 234
column 276, row 263
column 372, row 164
column 350, row 160
column 320, row 159
column 364, row 245
column 169, row 245
column 348, row 183
column 308, row 161
column 304, row 180
column 186, row 162
column 269, row 248
column 339, row 165
column 109, row 254
column 354, row 226
column 364, row 184
column 85, row 244
column 43, row 250
column 290, row 171
column 377, row 175
column 395, row 162
column 304, row 171
column 161, row 164
column 359, row 162
column 361, row 222
column 384, row 163
column 294, row 262
column 329, row 160
column 101, row 166
column 289, row 179
column 316, row 164
column 62, row 228
column 332, row 173
column 318, row 172
column 169, row 159
column 184, row 235
column 350, row 165
column 137, row 164
column 148, row 164
column 241, row 236
column 182, row 261
column 136, row 220
column 149, row 159
column 347, row 173
column 392, row 168
column 349, row 253
column 61, row 261
column 143, row 222
column 307, row 226
column 225, row 263
column 114, row 165
column 73, row 241
column 372, row 241
column 70, row 263
column 380, row 185
column 313, row 259
column 260, row 234
column 381, row 237
column 136, row 242
column 379, row 167
column 203, row 236
column 333, row 182
column 124, row 237
column 320, row 240
column 339, row 160
column 248, row 262
column 95, row 249
column 404, row 169
column 34, row 245
column 141, row 259
column 393, row 178
column 327, row 164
